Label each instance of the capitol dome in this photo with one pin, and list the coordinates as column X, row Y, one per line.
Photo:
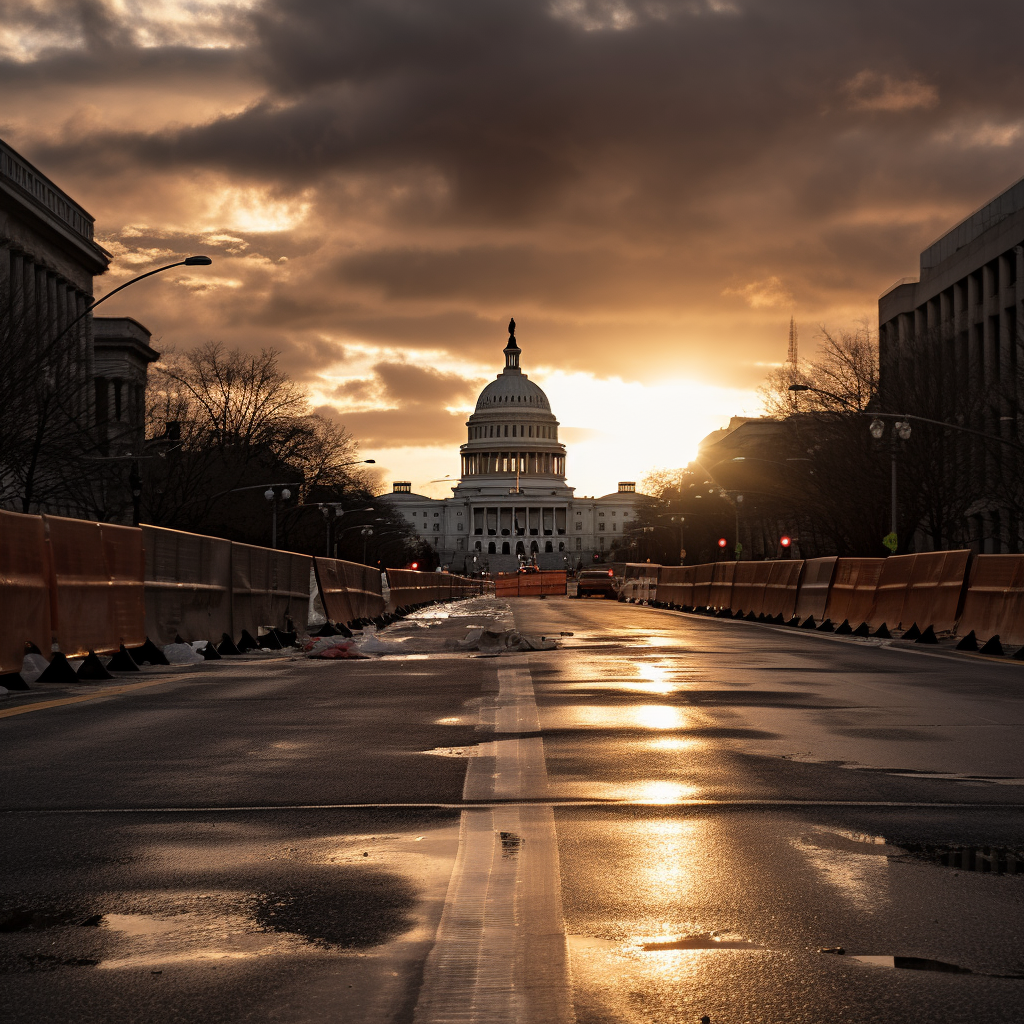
column 511, row 389
column 515, row 410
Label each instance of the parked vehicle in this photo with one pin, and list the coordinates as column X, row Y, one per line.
column 597, row 581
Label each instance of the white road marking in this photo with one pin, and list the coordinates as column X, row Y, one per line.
column 500, row 953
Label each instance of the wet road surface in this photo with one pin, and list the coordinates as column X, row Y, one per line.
column 669, row 816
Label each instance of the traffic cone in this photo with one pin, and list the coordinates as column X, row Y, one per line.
column 227, row 646
column 968, row 643
column 209, row 652
column 58, row 671
column 92, row 668
column 122, row 662
column 862, row 630
column 844, row 627
column 882, row 633
column 927, row 637
column 911, row 634
column 992, row 646
column 149, row 652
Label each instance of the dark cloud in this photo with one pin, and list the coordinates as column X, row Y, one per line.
column 649, row 186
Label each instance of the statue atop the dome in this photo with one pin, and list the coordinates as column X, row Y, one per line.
column 511, row 328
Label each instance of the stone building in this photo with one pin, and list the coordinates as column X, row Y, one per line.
column 966, row 308
column 512, row 504
column 95, row 368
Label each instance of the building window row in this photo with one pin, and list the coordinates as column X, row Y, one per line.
column 518, row 430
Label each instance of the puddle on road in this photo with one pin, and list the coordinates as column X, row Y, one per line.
column 653, row 717
column 710, row 940
column 917, row 963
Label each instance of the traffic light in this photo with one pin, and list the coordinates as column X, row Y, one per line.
column 722, row 542
column 415, row 565
column 785, row 541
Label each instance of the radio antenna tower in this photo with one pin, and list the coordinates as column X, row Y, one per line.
column 792, row 357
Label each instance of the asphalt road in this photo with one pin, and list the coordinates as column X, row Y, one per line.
column 667, row 817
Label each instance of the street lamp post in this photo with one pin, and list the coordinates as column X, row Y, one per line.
column 271, row 494
column 901, row 432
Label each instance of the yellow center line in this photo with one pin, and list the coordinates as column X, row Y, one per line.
column 43, row 704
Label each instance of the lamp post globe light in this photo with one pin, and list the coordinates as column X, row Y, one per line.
column 271, row 494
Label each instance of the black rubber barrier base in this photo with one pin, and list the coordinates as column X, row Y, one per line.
column 148, row 652
column 247, row 642
column 826, row 627
column 844, row 628
column 269, row 641
column 927, row 637
column 209, row 652
column 13, row 681
column 862, row 630
column 911, row 634
column 992, row 646
column 882, row 633
column 58, row 671
column 122, row 662
column 808, row 623
column 227, row 646
column 92, row 668
column 968, row 643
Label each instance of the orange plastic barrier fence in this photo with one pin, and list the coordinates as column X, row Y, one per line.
column 530, row 584
column 188, row 585
column 24, row 589
column 852, row 595
column 348, row 590
column 891, row 592
column 409, row 587
column 675, row 584
column 748, row 587
column 780, row 593
column 97, row 574
column 723, row 573
column 269, row 587
column 937, row 590
column 994, row 604
column 812, row 592
column 702, row 577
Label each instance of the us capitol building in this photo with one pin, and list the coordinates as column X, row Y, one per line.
column 512, row 503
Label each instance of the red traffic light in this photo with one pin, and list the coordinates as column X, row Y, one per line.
column 722, row 542
column 785, row 541
column 415, row 565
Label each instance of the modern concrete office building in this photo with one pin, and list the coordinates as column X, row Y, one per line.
column 965, row 310
column 512, row 503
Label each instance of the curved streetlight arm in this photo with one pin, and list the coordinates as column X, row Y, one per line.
column 189, row 261
column 908, row 416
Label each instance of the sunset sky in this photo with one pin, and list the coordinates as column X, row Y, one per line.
column 651, row 188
